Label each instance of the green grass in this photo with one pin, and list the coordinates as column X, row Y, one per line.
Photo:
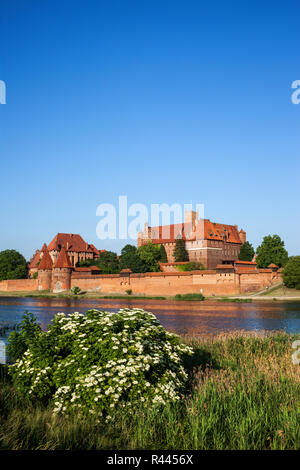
column 69, row 295
column 244, row 393
column 189, row 297
column 238, row 300
column 127, row 297
column 281, row 291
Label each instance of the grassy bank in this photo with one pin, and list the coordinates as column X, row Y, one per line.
column 69, row 295
column 244, row 393
column 277, row 293
column 281, row 291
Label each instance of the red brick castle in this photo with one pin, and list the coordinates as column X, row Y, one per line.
column 207, row 242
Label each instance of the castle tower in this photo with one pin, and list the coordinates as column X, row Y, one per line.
column 191, row 217
column 242, row 234
column 61, row 272
column 45, row 270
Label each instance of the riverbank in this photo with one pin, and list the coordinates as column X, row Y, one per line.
column 243, row 393
column 276, row 293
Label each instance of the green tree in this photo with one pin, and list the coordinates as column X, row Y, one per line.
column 150, row 254
column 271, row 251
column 163, row 254
column 180, row 253
column 291, row 272
column 246, row 252
column 130, row 259
column 13, row 265
column 108, row 262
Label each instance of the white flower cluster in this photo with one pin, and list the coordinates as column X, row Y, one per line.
column 104, row 360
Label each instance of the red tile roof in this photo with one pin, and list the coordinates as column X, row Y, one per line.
column 229, row 233
column 211, row 231
column 245, row 262
column 272, row 265
column 88, row 269
column 225, row 266
column 35, row 259
column 63, row 260
column 71, row 242
column 46, row 261
column 95, row 251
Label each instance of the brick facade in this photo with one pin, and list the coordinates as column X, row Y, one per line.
column 206, row 242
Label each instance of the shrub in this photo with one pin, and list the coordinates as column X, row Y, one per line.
column 189, row 297
column 20, row 341
column 191, row 266
column 75, row 290
column 128, row 291
column 97, row 362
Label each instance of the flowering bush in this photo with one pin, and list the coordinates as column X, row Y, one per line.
column 100, row 361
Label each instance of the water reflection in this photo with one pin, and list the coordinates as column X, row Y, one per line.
column 192, row 318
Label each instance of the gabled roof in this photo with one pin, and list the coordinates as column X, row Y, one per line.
column 186, row 231
column 228, row 233
column 272, row 265
column 94, row 250
column 71, row 242
column 46, row 261
column 63, row 260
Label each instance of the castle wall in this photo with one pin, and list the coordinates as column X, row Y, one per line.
column 208, row 282
column 17, row 285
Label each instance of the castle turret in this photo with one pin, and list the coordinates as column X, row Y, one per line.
column 191, row 217
column 45, row 270
column 61, row 273
column 242, row 234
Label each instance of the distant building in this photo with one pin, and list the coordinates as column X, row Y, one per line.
column 207, row 242
column 76, row 248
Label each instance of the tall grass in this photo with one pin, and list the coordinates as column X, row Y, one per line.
column 244, row 393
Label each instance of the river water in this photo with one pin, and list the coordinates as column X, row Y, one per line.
column 191, row 318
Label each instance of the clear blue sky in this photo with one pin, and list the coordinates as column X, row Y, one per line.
column 162, row 101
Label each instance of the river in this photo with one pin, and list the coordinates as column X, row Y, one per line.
column 192, row 318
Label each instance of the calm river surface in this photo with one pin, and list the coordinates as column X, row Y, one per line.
column 192, row 318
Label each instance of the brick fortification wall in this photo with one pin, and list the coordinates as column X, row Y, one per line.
column 15, row 285
column 208, row 282
column 168, row 283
